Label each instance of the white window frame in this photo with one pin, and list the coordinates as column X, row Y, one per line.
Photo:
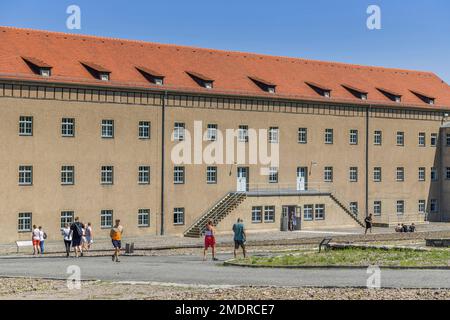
column 25, row 175
column 143, row 218
column 329, row 136
column 24, row 222
column 179, row 174
column 144, row 174
column 26, row 126
column 107, row 129
column 243, row 133
column 422, row 174
column 144, row 129
column 269, row 214
column 377, row 174
column 302, row 136
column 422, row 139
column 308, row 212
column 68, row 127
column 257, row 215
column 107, row 175
column 106, row 218
column 178, row 216
column 378, row 137
column 400, row 207
column 377, row 208
column 319, row 212
column 328, row 174
column 179, row 131
column 434, row 140
column 211, row 175
column 273, row 175
column 274, row 135
column 211, row 132
column 400, row 174
column 354, row 207
column 353, row 174
column 66, row 216
column 400, row 138
column 422, row 206
column 67, row 175
column 353, row 137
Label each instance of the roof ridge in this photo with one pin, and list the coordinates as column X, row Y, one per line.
column 257, row 55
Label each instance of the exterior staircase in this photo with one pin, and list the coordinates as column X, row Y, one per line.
column 347, row 210
column 219, row 211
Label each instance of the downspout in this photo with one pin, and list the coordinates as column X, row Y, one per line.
column 163, row 121
column 367, row 160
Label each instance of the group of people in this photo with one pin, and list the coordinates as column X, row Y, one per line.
column 405, row 228
column 79, row 236
column 239, row 238
column 38, row 237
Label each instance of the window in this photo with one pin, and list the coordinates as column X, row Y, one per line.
column 25, row 126
column 328, row 136
column 178, row 175
column 319, row 212
column 400, row 174
column 273, row 175
column 256, row 214
column 377, row 174
column 353, row 136
column 434, row 208
column 144, row 218
column 400, row 207
column 144, row 130
column 24, row 222
column 447, row 140
column 107, row 128
column 107, row 175
column 211, row 175
column 144, row 175
column 273, row 135
column 377, row 138
column 68, row 127
column 421, row 139
column 303, row 135
column 178, row 216
column 269, row 214
column 434, row 176
column 354, row 208
column 434, row 139
column 67, row 175
column 45, row 72
column 422, row 174
column 106, row 218
column 447, row 173
column 104, row 76
column 211, row 133
column 377, row 208
column 178, row 131
column 243, row 133
column 353, row 174
column 308, row 212
column 422, row 206
column 66, row 218
column 328, row 174
column 400, row 138
column 25, row 175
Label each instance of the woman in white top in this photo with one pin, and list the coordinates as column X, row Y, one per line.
column 89, row 236
column 67, row 234
column 35, row 237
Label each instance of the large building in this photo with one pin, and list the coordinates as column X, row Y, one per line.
column 92, row 127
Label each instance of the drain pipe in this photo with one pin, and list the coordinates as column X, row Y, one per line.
column 163, row 121
column 367, row 160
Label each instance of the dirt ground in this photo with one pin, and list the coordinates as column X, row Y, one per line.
column 23, row 288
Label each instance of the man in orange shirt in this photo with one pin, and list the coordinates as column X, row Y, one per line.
column 116, row 237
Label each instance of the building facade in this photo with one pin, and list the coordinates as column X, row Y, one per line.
column 95, row 133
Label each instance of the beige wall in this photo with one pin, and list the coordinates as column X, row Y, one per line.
column 47, row 151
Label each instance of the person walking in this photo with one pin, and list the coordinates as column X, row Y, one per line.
column 77, row 234
column 368, row 221
column 89, row 236
column 116, row 238
column 239, row 236
column 35, row 237
column 210, row 240
column 42, row 237
column 67, row 234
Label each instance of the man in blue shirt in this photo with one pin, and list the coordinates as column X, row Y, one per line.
column 239, row 236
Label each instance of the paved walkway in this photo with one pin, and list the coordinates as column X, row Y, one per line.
column 191, row 270
column 162, row 242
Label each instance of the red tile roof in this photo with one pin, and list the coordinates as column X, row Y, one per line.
column 38, row 63
column 230, row 70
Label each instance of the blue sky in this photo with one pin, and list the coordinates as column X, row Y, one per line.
column 415, row 34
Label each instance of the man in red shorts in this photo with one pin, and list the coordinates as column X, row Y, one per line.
column 210, row 240
column 35, row 237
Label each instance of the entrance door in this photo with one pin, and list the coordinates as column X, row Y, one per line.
column 298, row 218
column 302, row 174
column 242, row 179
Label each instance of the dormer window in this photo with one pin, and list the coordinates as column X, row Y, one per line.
column 45, row 72
column 263, row 84
column 321, row 90
column 39, row 67
column 424, row 97
column 391, row 95
column 358, row 93
column 97, row 71
column 151, row 75
column 201, row 79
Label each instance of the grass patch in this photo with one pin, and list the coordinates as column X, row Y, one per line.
column 355, row 257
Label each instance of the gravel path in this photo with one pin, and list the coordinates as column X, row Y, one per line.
column 54, row 289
